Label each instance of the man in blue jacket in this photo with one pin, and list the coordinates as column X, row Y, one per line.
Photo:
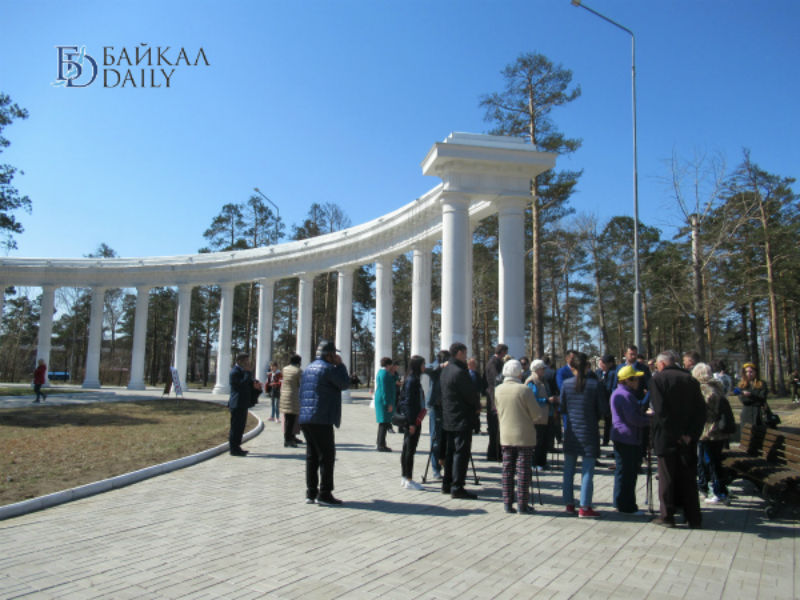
column 321, row 388
column 244, row 394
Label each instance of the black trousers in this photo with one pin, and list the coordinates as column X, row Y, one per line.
column 289, row 421
column 456, row 459
column 238, row 422
column 677, row 485
column 545, row 436
column 410, row 441
column 382, row 429
column 493, row 451
column 320, row 458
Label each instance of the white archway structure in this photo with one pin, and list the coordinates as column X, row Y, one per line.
column 481, row 175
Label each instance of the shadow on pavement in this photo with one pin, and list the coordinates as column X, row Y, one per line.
column 409, row 508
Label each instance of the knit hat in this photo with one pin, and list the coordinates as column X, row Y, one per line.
column 537, row 364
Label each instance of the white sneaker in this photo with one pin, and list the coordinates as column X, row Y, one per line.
column 713, row 499
column 412, row 485
column 404, row 482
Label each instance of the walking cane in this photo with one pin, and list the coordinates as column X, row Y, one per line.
column 650, row 475
column 427, row 464
column 474, row 472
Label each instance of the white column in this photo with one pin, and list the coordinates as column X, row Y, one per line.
column 383, row 310
column 455, row 228
column 468, row 293
column 344, row 320
column 182, row 331
column 46, row 325
column 266, row 298
column 511, row 276
column 92, row 377
column 224, row 362
column 139, row 338
column 421, row 261
column 305, row 308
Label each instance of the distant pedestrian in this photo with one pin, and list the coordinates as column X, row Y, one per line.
column 244, row 394
column 39, row 379
column 629, row 424
column 274, row 380
column 494, row 370
column 718, row 428
column 518, row 413
column 321, row 388
column 582, row 405
column 434, row 406
column 385, row 401
column 795, row 379
column 412, row 407
column 753, row 394
column 459, row 407
column 290, row 401
column 679, row 412
column 545, row 429
column 720, row 369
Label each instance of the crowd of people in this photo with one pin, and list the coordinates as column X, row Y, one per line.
column 672, row 407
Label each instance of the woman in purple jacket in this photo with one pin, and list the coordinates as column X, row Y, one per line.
column 628, row 426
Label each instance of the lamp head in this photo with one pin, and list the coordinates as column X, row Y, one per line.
column 576, row 2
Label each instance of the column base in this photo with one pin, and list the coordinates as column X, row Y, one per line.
column 91, row 385
column 138, row 385
column 221, row 389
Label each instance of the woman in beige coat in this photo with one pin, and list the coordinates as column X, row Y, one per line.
column 518, row 413
column 290, row 400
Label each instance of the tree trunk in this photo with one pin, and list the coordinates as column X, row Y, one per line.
column 743, row 317
column 774, row 327
column 787, row 336
column 697, row 289
column 648, row 341
column 754, row 356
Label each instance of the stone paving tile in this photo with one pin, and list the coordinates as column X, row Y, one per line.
column 238, row 528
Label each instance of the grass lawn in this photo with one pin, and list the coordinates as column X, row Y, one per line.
column 45, row 449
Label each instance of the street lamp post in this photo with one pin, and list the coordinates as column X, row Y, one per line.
column 277, row 211
column 637, row 296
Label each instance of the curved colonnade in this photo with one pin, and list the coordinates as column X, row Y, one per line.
column 480, row 175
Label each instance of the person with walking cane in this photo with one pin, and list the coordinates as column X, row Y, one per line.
column 518, row 413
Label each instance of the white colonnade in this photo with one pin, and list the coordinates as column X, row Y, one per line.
column 480, row 174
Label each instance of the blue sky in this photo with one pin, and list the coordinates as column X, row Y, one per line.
column 317, row 101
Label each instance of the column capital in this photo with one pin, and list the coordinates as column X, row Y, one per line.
column 454, row 199
column 511, row 204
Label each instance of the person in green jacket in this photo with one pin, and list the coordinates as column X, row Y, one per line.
column 385, row 401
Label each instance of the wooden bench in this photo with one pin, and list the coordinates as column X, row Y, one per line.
column 770, row 459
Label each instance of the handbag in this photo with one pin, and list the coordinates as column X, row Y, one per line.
column 770, row 418
column 399, row 419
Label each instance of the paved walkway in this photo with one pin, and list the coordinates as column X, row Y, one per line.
column 238, row 528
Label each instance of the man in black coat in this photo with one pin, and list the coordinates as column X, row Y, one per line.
column 460, row 404
column 494, row 368
column 244, row 394
column 679, row 413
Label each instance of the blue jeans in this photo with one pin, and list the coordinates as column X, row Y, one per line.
column 435, row 429
column 587, row 479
